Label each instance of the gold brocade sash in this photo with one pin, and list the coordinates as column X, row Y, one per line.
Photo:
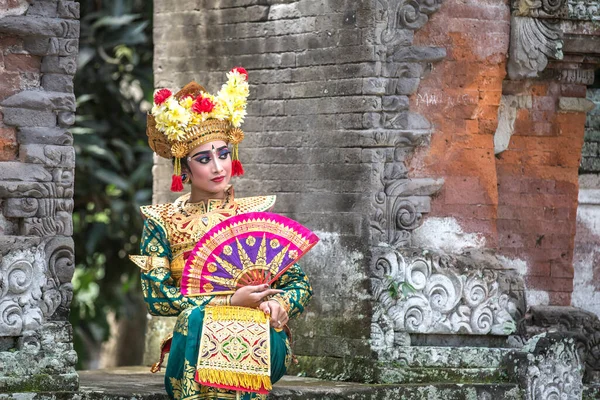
column 235, row 349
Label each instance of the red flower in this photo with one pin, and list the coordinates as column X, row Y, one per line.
column 202, row 105
column 161, row 96
column 241, row 70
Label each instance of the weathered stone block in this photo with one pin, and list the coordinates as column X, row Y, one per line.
column 43, row 8
column 575, row 104
column 57, row 83
column 24, row 172
column 49, row 155
column 41, row 100
column 60, row 224
column 66, row 119
column 17, row 189
column 548, row 365
column 24, row 117
column 375, row 85
column 59, row 65
column 51, row 46
column 50, row 27
column 20, row 207
column 55, row 136
column 68, row 9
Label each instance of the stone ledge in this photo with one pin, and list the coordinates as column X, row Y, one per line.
column 138, row 383
column 128, row 383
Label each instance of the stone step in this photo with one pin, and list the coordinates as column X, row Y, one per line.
column 138, row 383
column 411, row 364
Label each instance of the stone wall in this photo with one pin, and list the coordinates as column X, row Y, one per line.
column 538, row 186
column 328, row 129
column 38, row 51
column 461, row 97
column 399, row 132
column 586, row 259
column 590, row 160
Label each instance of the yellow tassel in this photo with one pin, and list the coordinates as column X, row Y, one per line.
column 225, row 313
column 177, row 167
column 236, row 379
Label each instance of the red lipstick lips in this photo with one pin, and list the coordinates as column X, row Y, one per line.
column 218, row 179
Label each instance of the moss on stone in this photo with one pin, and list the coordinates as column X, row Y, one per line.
column 40, row 383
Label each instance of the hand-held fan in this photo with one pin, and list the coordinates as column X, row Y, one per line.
column 247, row 249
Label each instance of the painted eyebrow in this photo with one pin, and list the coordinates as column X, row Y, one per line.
column 207, row 152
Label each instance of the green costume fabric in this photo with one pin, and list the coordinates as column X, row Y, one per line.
column 164, row 298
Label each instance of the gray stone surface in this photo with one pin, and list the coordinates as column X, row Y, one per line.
column 328, row 108
column 36, row 197
column 469, row 295
column 138, row 383
column 548, row 366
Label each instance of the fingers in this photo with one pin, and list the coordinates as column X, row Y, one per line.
column 264, row 307
column 267, row 293
column 279, row 317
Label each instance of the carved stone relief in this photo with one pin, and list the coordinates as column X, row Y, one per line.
column 539, row 31
column 584, row 10
column 549, row 366
column 34, row 283
column 36, row 197
column 533, row 41
column 398, row 206
column 450, row 295
column 402, row 15
column 568, row 320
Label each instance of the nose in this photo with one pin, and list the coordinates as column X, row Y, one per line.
column 216, row 163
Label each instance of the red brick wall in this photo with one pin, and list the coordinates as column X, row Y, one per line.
column 13, row 64
column 538, row 187
column 524, row 200
column 461, row 97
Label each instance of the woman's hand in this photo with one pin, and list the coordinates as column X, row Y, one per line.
column 252, row 296
column 279, row 317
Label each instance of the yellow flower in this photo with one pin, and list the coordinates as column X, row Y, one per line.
column 187, row 102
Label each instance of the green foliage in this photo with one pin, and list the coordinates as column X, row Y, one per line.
column 399, row 290
column 113, row 175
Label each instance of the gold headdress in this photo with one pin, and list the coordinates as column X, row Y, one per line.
column 179, row 123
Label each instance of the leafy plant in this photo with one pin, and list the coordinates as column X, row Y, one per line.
column 398, row 290
column 113, row 86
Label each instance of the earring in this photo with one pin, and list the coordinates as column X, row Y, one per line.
column 185, row 178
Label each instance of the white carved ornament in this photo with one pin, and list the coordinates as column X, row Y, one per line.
column 445, row 300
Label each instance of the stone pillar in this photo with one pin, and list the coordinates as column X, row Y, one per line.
column 38, row 58
column 551, row 61
column 586, row 258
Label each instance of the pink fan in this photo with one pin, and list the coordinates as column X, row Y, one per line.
column 248, row 249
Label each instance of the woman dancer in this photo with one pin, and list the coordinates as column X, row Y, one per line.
column 200, row 132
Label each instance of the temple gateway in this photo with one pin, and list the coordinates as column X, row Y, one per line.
column 446, row 152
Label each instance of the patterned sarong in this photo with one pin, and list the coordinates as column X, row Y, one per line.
column 235, row 350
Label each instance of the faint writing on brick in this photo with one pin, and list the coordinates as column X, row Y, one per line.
column 441, row 99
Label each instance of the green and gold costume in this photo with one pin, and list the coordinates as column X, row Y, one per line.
column 170, row 233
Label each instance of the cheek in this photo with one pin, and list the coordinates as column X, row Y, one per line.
column 227, row 165
column 199, row 170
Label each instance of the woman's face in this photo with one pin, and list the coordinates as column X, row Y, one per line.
column 210, row 168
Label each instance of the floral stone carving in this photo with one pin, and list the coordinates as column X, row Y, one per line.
column 469, row 294
column 549, row 366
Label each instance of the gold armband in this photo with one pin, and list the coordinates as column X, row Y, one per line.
column 148, row 263
column 222, row 300
column 283, row 302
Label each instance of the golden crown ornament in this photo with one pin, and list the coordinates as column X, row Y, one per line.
column 180, row 122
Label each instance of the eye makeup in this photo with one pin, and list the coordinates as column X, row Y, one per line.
column 203, row 157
